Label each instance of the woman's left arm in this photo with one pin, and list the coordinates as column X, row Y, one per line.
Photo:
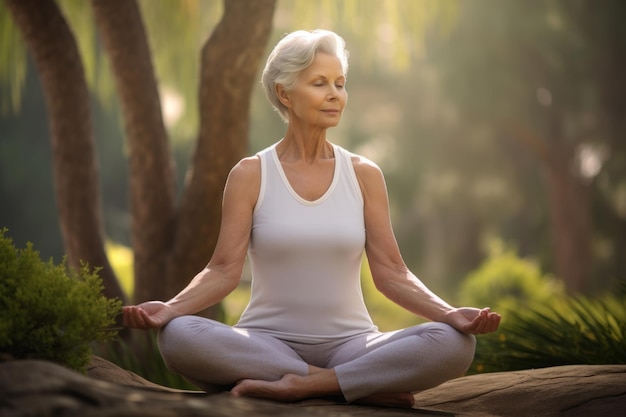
column 389, row 271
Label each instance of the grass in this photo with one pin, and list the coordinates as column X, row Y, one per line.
column 148, row 365
column 567, row 331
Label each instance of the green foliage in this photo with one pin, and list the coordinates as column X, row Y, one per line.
column 541, row 327
column 565, row 331
column 505, row 281
column 49, row 311
column 236, row 302
column 13, row 58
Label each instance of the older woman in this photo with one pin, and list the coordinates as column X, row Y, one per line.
column 305, row 210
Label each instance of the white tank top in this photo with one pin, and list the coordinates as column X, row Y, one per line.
column 306, row 257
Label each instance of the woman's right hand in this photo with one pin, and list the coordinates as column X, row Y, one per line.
column 149, row 315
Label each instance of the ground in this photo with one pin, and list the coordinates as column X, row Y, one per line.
column 39, row 388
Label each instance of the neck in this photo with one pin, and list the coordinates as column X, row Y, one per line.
column 304, row 145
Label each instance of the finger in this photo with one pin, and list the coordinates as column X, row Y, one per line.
column 495, row 322
column 147, row 321
column 125, row 313
column 480, row 325
column 130, row 313
column 136, row 318
column 131, row 317
column 476, row 325
column 486, row 321
column 491, row 323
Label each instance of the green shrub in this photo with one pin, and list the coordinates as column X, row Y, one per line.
column 505, row 281
column 566, row 331
column 540, row 325
column 49, row 311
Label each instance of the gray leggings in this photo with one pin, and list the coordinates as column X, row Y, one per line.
column 215, row 356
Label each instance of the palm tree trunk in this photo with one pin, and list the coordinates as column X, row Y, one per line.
column 58, row 63
column 152, row 194
column 230, row 62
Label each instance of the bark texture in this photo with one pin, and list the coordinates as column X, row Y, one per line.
column 55, row 54
column 152, row 196
column 230, row 62
column 171, row 244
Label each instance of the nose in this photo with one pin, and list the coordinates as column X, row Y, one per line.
column 333, row 93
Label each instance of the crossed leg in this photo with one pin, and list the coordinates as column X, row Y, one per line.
column 381, row 369
column 319, row 383
column 213, row 355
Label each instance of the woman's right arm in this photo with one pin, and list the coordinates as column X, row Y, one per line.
column 223, row 272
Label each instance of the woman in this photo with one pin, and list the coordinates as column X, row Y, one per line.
column 304, row 210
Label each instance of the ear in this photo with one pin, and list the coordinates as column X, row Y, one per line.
column 283, row 95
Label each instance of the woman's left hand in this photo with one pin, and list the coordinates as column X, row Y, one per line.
column 473, row 320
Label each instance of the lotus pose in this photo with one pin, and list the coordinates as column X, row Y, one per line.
column 304, row 211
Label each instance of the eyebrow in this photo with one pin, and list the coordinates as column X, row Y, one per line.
column 326, row 78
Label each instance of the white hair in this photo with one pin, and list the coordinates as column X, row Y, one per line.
column 294, row 53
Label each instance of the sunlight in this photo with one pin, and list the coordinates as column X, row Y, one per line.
column 121, row 259
column 590, row 159
column 173, row 106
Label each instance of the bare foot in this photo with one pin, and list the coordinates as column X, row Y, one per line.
column 391, row 399
column 319, row 383
column 285, row 389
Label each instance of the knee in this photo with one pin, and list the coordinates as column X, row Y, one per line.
column 173, row 340
column 456, row 349
column 467, row 350
column 171, row 332
column 166, row 341
column 462, row 348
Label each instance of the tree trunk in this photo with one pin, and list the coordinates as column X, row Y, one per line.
column 60, row 69
column 152, row 194
column 230, row 61
column 569, row 204
column 570, row 220
column 607, row 67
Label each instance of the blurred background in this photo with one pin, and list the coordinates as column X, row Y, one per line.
column 499, row 126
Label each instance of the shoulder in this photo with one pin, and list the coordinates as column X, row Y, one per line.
column 369, row 176
column 246, row 169
column 361, row 164
column 249, row 168
column 368, row 173
column 244, row 179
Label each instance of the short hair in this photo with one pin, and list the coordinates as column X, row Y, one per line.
column 294, row 53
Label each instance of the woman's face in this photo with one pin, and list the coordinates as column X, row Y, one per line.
column 319, row 95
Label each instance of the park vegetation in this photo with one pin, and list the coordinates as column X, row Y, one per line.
column 49, row 311
column 493, row 122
